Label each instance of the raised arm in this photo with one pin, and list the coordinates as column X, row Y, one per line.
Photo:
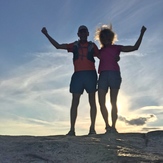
column 137, row 44
column 53, row 42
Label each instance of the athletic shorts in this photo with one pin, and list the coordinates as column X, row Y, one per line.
column 83, row 80
column 109, row 79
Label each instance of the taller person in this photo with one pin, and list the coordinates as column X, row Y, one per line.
column 84, row 76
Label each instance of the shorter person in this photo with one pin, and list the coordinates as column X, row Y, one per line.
column 109, row 71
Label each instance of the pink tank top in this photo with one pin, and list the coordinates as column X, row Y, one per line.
column 108, row 58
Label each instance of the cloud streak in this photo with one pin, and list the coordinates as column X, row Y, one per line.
column 36, row 89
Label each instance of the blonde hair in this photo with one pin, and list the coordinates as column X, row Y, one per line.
column 106, row 30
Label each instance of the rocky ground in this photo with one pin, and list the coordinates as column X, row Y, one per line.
column 100, row 148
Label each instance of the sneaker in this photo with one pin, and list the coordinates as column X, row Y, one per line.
column 113, row 130
column 92, row 132
column 108, row 129
column 71, row 133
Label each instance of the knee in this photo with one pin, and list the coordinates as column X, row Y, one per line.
column 75, row 97
column 101, row 102
column 75, row 102
column 113, row 102
column 102, row 105
column 92, row 100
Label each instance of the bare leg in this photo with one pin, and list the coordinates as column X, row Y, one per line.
column 104, row 111
column 93, row 110
column 113, row 100
column 73, row 111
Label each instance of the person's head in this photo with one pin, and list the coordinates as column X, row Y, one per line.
column 105, row 35
column 83, row 33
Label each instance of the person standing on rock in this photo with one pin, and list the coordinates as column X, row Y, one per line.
column 109, row 71
column 84, row 76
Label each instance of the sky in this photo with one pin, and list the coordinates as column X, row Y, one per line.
column 35, row 77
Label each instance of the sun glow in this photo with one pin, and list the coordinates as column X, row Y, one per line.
column 123, row 103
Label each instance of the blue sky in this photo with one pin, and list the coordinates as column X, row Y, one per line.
column 34, row 76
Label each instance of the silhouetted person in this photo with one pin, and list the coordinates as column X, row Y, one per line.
column 109, row 71
column 84, row 76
